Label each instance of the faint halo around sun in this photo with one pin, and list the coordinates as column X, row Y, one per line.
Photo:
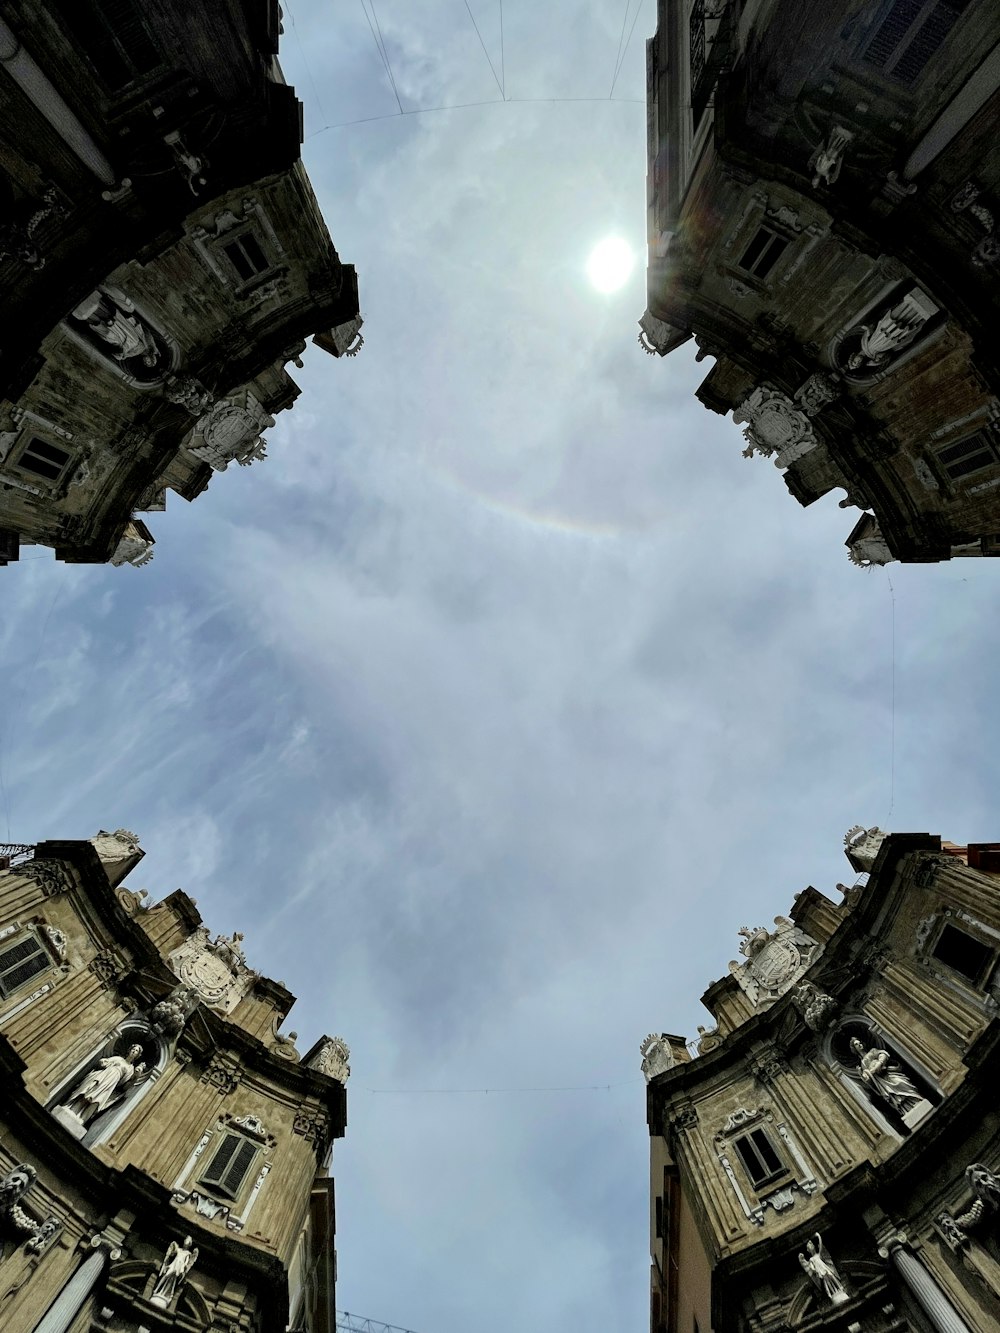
column 610, row 264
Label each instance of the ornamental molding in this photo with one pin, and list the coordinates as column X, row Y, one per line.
column 215, row 970
column 230, row 431
column 983, row 1184
column 657, row 1055
column 776, row 427
column 52, row 877
column 313, row 1126
column 37, row 1234
column 775, row 960
column 332, row 1059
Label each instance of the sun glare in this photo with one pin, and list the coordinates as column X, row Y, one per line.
column 610, row 264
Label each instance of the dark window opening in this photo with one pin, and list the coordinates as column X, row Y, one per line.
column 909, row 35
column 20, row 962
column 229, row 1167
column 659, row 1218
column 114, row 37
column 247, row 256
column 697, row 33
column 964, row 954
column 44, row 459
column 972, row 454
column 762, row 1163
column 763, row 252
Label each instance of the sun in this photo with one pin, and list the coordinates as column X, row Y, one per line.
column 610, row 264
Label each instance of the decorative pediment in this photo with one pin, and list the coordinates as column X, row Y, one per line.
column 332, row 1059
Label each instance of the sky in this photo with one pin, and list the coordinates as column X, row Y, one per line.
column 504, row 691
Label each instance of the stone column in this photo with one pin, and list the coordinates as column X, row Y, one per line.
column 66, row 1306
column 37, row 87
column 925, row 1291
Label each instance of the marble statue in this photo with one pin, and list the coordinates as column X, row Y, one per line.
column 829, row 156
column 885, row 1079
column 821, row 1272
column 896, row 329
column 177, row 1263
column 105, row 1084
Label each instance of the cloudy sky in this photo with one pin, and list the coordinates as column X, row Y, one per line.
column 505, row 690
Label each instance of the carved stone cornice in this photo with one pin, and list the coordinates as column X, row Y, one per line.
column 223, row 1073
column 52, row 877
column 109, row 967
column 314, row 1126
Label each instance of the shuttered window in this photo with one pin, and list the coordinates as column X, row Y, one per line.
column 972, row 454
column 909, row 34
column 20, row 962
column 114, row 37
column 230, row 1165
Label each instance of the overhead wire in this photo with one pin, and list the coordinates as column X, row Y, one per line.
column 503, row 65
column 305, row 60
column 381, row 48
column 628, row 43
column 485, row 52
column 618, row 53
column 462, row 106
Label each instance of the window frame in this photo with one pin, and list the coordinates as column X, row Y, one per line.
column 19, row 934
column 979, row 443
column 987, row 972
column 216, row 1184
column 771, row 235
column 39, row 478
column 925, row 14
column 775, row 1178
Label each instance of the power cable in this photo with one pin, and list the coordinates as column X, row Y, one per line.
column 305, row 60
column 618, row 53
column 628, row 43
column 483, row 45
column 462, row 106
column 503, row 66
column 380, row 47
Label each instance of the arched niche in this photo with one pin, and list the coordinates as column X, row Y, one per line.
column 899, row 1092
column 154, row 1054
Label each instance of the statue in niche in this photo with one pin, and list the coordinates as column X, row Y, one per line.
column 886, row 1079
column 177, row 1263
column 109, row 321
column 828, row 158
column 105, row 1084
column 879, row 343
column 822, row 1273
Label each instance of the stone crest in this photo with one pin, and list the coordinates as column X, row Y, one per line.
column 231, row 431
column 775, row 960
column 332, row 1059
column 861, row 846
column 657, row 1055
column 776, row 426
column 215, row 969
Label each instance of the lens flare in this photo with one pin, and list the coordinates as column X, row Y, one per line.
column 610, row 264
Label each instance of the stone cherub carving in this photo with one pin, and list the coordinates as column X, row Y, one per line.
column 105, row 1084
column 886, row 1079
column 817, row 1008
column 822, row 1273
column 984, row 1186
column 177, row 1263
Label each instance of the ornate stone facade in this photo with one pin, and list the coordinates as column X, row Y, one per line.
column 866, row 1054
column 162, row 259
column 822, row 219
column 159, row 1160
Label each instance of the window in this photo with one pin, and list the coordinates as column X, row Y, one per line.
column 697, row 32
column 113, row 36
column 659, row 1218
column 20, row 962
column 763, row 252
column 43, row 459
column 972, row 454
column 964, row 954
column 246, row 255
column 762, row 1163
column 230, row 1165
column 909, row 34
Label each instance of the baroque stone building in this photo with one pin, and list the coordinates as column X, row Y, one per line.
column 164, row 1152
column 162, row 259
column 830, row 1157
column 823, row 194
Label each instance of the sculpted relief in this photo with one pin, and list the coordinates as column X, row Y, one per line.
column 213, row 969
column 775, row 960
column 111, row 326
column 874, row 345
